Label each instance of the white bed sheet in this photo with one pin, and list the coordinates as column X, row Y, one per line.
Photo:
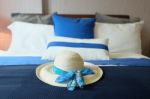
column 126, row 55
column 21, row 53
column 39, row 54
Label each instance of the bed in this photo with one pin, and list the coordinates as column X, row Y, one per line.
column 126, row 76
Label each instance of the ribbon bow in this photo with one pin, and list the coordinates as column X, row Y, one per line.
column 73, row 78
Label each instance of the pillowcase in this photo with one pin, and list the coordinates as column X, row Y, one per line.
column 74, row 27
column 89, row 49
column 122, row 37
column 32, row 18
column 29, row 37
column 107, row 19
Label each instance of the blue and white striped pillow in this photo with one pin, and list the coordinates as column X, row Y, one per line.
column 89, row 49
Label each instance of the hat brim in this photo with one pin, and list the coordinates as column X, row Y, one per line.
column 44, row 73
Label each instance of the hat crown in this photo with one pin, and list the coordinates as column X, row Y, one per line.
column 68, row 61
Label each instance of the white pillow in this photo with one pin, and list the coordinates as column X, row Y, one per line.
column 89, row 49
column 122, row 37
column 29, row 38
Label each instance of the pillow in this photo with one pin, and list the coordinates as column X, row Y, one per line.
column 107, row 19
column 89, row 49
column 32, row 18
column 73, row 27
column 29, row 37
column 122, row 37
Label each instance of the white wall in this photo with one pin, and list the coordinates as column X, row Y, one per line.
column 137, row 8
column 24, row 6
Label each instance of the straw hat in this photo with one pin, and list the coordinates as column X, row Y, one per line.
column 67, row 61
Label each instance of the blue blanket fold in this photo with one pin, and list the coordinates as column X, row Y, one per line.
column 37, row 61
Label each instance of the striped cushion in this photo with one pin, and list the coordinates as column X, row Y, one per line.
column 89, row 49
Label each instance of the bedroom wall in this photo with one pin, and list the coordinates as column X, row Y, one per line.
column 138, row 8
column 24, row 6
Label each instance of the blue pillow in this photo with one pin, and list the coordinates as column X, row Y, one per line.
column 73, row 27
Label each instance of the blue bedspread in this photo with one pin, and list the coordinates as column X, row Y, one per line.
column 37, row 60
column 20, row 82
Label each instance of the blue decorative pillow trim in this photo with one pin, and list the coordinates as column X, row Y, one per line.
column 78, row 45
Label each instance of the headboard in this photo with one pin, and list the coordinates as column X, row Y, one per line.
column 93, row 16
column 85, row 15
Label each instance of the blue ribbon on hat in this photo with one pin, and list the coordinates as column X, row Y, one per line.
column 73, row 78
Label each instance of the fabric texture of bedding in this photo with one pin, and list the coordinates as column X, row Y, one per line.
column 124, row 78
column 32, row 18
column 107, row 19
column 116, row 59
column 89, row 49
column 28, row 37
column 117, row 83
column 35, row 60
column 73, row 27
column 127, row 55
column 125, row 38
column 20, row 58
